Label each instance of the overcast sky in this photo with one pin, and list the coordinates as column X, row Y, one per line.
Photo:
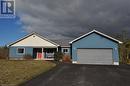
column 63, row 19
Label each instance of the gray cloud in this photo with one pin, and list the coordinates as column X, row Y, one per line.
column 63, row 19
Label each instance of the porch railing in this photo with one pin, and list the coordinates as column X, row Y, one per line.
column 49, row 55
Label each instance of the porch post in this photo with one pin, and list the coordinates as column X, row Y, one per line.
column 42, row 53
column 57, row 49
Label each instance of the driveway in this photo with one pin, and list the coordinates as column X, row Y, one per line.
column 83, row 75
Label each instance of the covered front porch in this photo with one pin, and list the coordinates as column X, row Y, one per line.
column 44, row 53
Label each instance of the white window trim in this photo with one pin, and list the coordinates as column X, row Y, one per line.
column 20, row 53
column 67, row 50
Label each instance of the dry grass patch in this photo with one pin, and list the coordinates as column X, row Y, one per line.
column 13, row 73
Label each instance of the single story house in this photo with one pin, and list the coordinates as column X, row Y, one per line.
column 91, row 48
column 95, row 48
column 35, row 45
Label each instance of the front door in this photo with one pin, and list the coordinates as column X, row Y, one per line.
column 37, row 53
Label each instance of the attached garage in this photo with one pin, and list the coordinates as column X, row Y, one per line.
column 95, row 56
column 95, row 48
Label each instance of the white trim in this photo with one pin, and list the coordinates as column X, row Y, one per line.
column 36, row 46
column 65, row 46
column 43, row 53
column 45, row 59
column 48, row 59
column 98, row 33
column 20, row 53
column 74, row 62
column 57, row 49
column 68, row 50
column 34, row 33
column 116, row 63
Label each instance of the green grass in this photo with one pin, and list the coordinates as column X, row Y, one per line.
column 12, row 73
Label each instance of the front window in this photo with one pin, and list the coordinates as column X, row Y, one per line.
column 65, row 50
column 21, row 50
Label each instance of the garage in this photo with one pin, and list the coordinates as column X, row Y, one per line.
column 94, row 56
column 95, row 47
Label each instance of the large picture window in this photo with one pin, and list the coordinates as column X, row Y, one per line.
column 21, row 50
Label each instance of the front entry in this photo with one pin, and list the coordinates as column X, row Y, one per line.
column 37, row 53
column 44, row 53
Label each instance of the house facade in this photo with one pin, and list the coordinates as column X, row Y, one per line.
column 91, row 48
column 95, row 48
column 34, row 45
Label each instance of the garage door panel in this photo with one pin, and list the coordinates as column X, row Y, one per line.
column 94, row 56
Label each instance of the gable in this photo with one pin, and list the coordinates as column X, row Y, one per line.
column 95, row 37
column 99, row 33
column 34, row 41
column 95, row 40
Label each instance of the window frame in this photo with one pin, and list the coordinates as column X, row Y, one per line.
column 64, row 49
column 20, row 53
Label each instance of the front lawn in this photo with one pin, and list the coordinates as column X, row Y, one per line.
column 13, row 73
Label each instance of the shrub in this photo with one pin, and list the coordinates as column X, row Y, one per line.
column 27, row 57
column 66, row 58
column 58, row 56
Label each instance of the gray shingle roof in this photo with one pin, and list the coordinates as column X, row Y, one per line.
column 63, row 42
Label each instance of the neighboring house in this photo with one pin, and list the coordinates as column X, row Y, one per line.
column 95, row 48
column 35, row 45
